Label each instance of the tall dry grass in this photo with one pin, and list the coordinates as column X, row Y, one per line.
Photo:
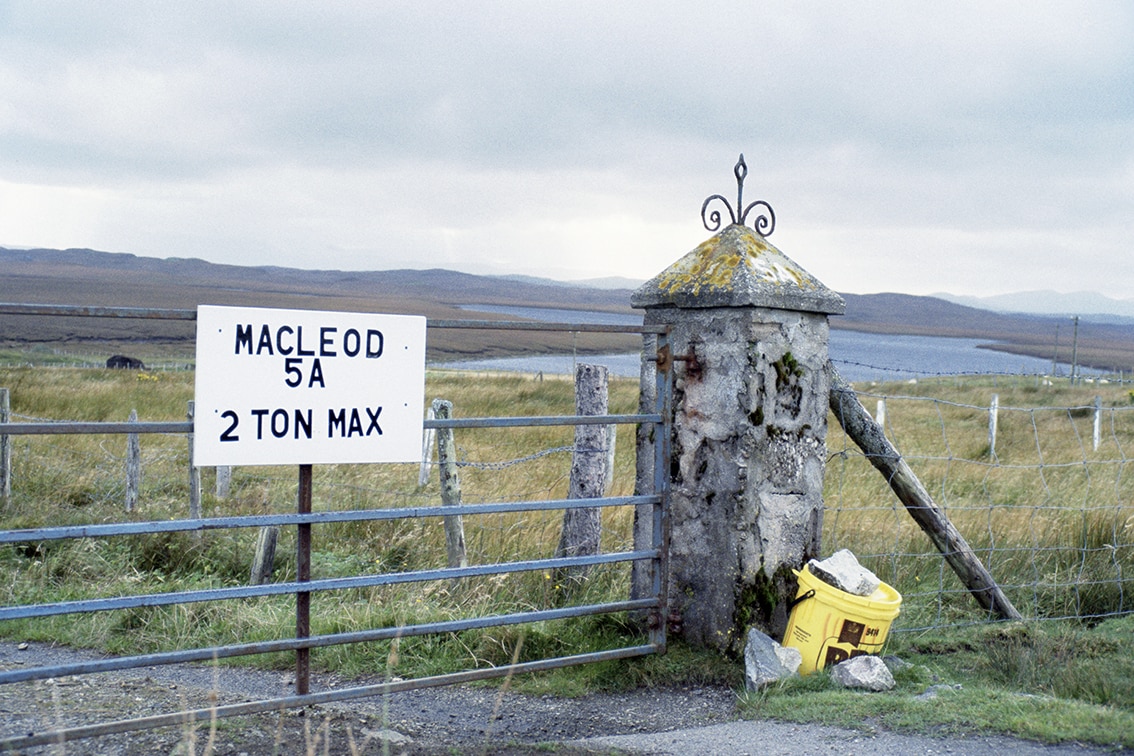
column 1050, row 516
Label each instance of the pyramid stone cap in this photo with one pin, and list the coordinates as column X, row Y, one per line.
column 737, row 267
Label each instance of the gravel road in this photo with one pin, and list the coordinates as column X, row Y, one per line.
column 451, row 720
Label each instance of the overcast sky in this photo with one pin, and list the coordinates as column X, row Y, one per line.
column 971, row 147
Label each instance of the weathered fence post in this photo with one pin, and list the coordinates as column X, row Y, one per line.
column 224, row 481
column 450, row 485
column 194, row 477
column 426, row 451
column 993, row 423
column 5, row 449
column 582, row 527
column 862, row 429
column 749, row 334
column 133, row 465
column 1096, row 435
column 265, row 556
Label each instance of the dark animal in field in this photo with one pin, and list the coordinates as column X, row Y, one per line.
column 123, row 362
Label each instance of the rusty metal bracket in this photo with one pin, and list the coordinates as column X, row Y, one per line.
column 665, row 359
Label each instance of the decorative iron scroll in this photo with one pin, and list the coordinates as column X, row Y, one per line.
column 765, row 221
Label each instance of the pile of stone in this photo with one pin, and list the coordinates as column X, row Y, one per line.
column 766, row 661
column 841, row 570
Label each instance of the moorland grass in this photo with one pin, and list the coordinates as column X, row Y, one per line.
column 1051, row 516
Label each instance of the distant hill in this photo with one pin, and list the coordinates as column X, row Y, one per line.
column 1088, row 305
column 1097, row 344
column 90, row 277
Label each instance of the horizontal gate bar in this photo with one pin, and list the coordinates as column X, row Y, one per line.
column 66, row 427
column 320, row 641
column 312, row 699
column 327, row 584
column 312, row 518
column 183, row 427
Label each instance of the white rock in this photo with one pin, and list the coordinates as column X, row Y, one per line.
column 843, row 571
column 864, row 672
column 766, row 661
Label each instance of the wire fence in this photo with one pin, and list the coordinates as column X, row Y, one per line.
column 1036, row 476
column 1034, row 472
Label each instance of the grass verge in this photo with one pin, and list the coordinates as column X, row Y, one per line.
column 1053, row 682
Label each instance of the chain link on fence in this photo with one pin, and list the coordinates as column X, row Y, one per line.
column 505, row 464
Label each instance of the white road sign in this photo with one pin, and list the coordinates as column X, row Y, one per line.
column 276, row 387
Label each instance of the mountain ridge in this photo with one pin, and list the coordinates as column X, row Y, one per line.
column 91, row 277
column 1087, row 305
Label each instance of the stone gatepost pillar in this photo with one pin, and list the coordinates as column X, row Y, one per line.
column 749, row 335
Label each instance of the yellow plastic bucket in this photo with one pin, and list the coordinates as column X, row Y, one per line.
column 828, row 625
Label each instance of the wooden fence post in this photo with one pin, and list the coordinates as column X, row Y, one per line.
column 862, row 429
column 993, row 422
column 5, row 449
column 224, row 481
column 194, row 478
column 582, row 528
column 450, row 485
column 427, row 450
column 133, row 465
column 265, row 555
column 1097, row 432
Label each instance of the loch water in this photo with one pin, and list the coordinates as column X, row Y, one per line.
column 858, row 356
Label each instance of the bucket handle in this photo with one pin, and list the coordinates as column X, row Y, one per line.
column 799, row 598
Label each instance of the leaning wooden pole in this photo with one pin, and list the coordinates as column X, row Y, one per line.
column 862, row 429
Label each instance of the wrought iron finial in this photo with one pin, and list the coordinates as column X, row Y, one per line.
column 765, row 221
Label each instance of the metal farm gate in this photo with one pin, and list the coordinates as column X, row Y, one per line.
column 651, row 503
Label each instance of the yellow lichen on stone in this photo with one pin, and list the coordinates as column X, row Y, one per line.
column 706, row 266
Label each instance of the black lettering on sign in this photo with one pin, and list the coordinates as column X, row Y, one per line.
column 229, row 433
column 279, row 339
column 279, row 423
column 352, row 343
column 259, row 415
column 355, row 423
column 299, row 344
column 265, row 340
column 347, row 423
column 316, row 375
column 327, row 341
column 374, row 420
column 374, row 342
column 336, row 421
column 287, row 340
column 303, row 421
column 293, row 367
column 294, row 374
column 243, row 338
